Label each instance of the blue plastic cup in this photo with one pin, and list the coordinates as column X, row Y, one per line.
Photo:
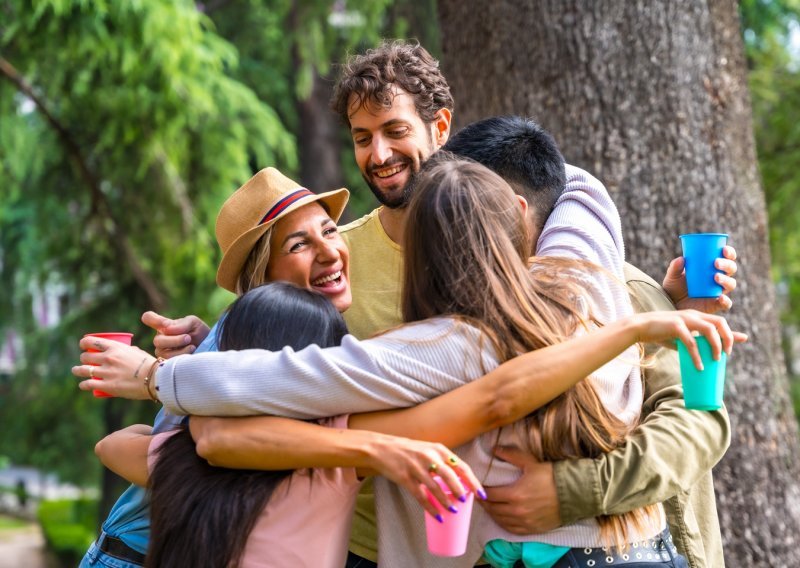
column 702, row 390
column 700, row 250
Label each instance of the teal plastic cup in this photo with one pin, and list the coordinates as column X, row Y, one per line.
column 702, row 390
column 700, row 250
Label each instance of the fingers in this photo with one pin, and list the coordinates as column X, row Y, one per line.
column 685, row 336
column 95, row 343
column 515, row 456
column 154, row 320
column 168, row 346
column 88, row 358
column 675, row 269
column 429, row 493
column 91, row 384
column 739, row 337
column 721, row 303
column 729, row 252
column 727, row 282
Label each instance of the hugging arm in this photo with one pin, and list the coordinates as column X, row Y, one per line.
column 125, row 452
column 642, row 472
column 645, row 470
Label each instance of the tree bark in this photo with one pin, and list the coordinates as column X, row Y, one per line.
column 318, row 140
column 651, row 97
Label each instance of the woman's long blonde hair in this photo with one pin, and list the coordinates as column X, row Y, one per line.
column 466, row 246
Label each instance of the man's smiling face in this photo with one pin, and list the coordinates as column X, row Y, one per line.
column 391, row 143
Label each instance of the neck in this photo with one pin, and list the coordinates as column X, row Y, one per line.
column 394, row 223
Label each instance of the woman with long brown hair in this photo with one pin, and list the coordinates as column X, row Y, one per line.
column 471, row 302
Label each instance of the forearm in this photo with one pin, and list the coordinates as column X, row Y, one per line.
column 272, row 443
column 287, row 383
column 507, row 394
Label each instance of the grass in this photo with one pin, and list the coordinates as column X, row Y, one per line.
column 10, row 523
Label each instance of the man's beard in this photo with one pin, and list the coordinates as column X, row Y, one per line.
column 400, row 200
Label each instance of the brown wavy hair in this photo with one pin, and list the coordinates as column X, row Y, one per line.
column 466, row 249
column 371, row 77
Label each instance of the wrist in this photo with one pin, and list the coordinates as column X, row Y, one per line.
column 373, row 450
column 149, row 382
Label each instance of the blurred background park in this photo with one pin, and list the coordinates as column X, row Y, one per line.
column 124, row 125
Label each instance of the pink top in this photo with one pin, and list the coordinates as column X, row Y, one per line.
column 307, row 520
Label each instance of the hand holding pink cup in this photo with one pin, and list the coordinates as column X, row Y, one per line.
column 121, row 337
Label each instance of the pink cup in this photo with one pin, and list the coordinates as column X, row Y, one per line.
column 125, row 338
column 450, row 537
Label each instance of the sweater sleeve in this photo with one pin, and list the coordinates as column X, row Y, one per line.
column 585, row 225
column 359, row 376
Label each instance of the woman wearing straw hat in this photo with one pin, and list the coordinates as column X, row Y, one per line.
column 270, row 229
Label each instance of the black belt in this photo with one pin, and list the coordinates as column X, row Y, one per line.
column 118, row 549
column 657, row 551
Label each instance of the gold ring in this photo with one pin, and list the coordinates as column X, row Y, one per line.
column 452, row 460
column 91, row 372
column 433, row 468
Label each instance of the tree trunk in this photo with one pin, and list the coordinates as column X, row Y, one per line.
column 651, row 97
column 318, row 139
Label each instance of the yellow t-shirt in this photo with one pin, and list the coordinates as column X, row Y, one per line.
column 376, row 269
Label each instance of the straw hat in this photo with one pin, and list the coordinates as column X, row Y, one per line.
column 254, row 208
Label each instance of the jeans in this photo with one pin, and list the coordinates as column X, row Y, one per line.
column 95, row 557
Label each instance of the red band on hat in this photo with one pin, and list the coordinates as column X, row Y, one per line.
column 283, row 203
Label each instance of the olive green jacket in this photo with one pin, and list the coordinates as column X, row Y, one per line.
column 668, row 458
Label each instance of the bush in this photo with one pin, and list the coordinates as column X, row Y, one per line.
column 69, row 527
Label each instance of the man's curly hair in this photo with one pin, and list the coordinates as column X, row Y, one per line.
column 372, row 76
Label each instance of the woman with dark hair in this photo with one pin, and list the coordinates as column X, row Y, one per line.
column 203, row 515
column 471, row 302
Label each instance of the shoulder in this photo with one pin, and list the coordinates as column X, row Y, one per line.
column 359, row 224
column 575, row 174
column 646, row 294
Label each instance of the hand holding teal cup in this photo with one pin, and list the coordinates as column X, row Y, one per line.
column 702, row 390
column 700, row 250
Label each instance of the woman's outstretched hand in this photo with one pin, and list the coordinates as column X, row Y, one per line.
column 122, row 368
column 412, row 465
column 665, row 327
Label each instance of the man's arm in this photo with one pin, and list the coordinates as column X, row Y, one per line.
column 645, row 470
column 641, row 472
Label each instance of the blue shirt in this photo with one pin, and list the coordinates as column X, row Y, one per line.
column 129, row 519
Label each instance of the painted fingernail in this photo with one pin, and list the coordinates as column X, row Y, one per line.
column 452, row 509
column 462, row 498
column 440, row 518
column 482, row 494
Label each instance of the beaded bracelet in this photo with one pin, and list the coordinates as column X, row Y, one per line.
column 149, row 376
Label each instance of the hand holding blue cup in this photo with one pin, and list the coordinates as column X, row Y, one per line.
column 700, row 251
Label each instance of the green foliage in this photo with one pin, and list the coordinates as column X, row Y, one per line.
column 769, row 28
column 68, row 527
column 147, row 115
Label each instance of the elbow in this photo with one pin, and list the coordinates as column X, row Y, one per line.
column 500, row 410
column 207, row 447
column 101, row 450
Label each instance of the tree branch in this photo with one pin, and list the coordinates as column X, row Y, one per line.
column 116, row 233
